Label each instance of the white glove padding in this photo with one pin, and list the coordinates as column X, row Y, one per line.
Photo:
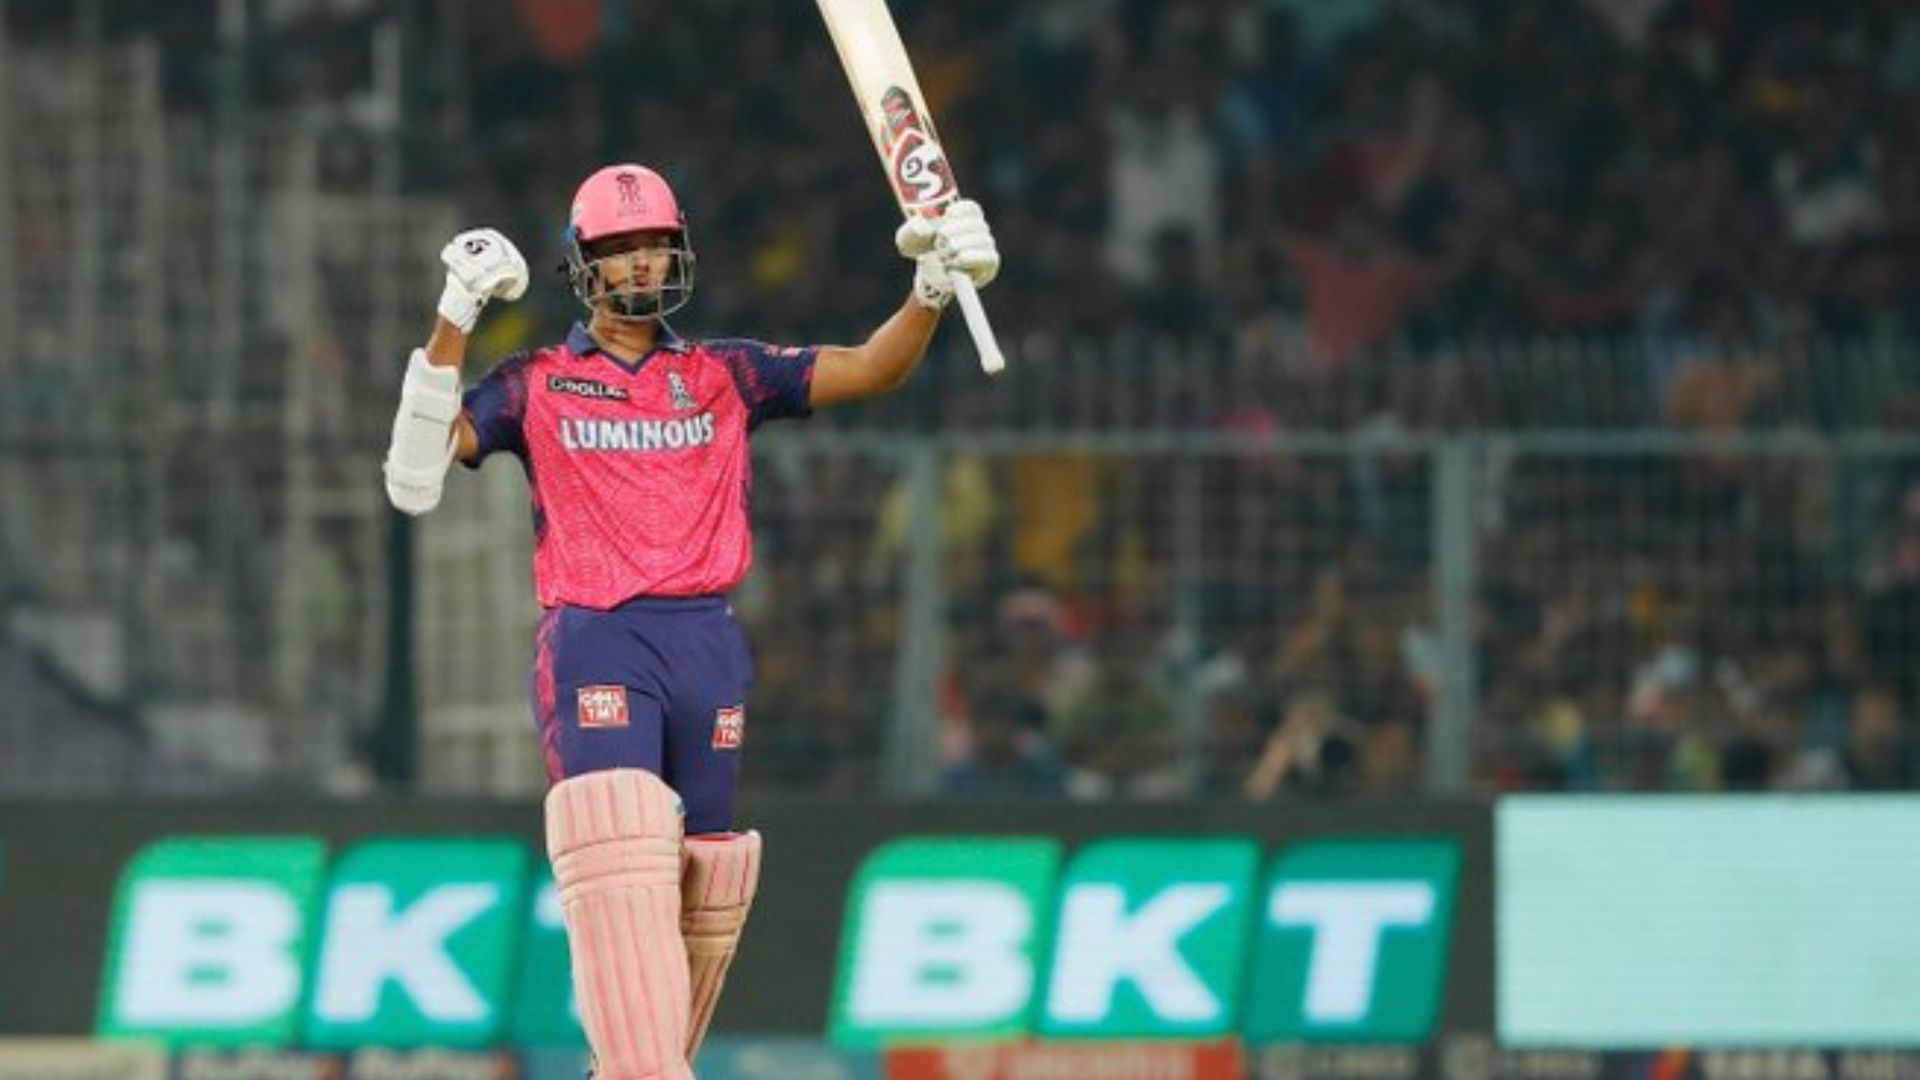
column 482, row 265
column 423, row 440
column 960, row 241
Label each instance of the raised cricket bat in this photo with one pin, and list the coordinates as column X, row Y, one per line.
column 896, row 116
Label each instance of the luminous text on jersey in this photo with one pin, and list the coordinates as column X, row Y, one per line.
column 636, row 435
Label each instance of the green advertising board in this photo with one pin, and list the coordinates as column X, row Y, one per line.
column 419, row 944
column 321, row 930
column 1147, row 938
column 412, row 942
column 544, row 1011
column 1151, row 938
column 209, row 940
column 944, row 936
column 1354, row 943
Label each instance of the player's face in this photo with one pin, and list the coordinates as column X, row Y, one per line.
column 634, row 263
column 637, row 275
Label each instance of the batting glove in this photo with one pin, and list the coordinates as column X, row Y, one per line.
column 960, row 241
column 482, row 265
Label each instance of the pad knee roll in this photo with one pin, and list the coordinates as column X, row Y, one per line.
column 615, row 841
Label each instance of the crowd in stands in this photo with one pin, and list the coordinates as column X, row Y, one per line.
column 1352, row 205
column 1686, row 195
column 1641, row 622
column 1300, row 183
column 1368, row 216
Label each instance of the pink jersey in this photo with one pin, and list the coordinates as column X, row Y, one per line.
column 640, row 474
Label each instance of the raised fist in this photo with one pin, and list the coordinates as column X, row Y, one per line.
column 482, row 265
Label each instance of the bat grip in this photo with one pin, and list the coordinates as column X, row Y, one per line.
column 991, row 359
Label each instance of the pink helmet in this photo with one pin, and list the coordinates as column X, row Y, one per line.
column 620, row 199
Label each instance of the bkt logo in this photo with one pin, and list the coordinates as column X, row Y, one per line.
column 407, row 942
column 1142, row 938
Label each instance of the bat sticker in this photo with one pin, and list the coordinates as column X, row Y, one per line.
column 914, row 158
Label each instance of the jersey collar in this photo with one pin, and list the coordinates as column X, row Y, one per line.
column 580, row 342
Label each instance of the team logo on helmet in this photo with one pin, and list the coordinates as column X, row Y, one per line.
column 632, row 199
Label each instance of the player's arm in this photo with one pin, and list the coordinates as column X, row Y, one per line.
column 428, row 428
column 849, row 373
column 447, row 348
column 960, row 242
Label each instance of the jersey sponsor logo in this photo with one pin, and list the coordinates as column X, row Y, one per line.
column 586, row 388
column 730, row 728
column 642, row 436
column 603, row 706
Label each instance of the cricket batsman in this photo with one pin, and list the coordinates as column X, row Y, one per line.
column 634, row 442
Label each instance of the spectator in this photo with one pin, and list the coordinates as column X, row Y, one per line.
column 1359, row 288
column 1164, row 165
column 1875, row 755
column 1313, row 751
column 1008, row 754
column 1117, row 735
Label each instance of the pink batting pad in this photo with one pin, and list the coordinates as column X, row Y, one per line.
column 722, row 873
column 614, row 838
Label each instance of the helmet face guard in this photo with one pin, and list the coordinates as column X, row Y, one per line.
column 588, row 276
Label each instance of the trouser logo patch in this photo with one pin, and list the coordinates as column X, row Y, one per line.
column 730, row 728
column 603, row 706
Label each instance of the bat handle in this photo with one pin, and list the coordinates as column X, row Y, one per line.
column 991, row 359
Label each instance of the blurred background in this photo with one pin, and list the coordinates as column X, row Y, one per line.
column 1410, row 402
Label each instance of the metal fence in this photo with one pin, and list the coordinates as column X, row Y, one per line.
column 1262, row 617
column 196, row 329
column 1262, row 379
